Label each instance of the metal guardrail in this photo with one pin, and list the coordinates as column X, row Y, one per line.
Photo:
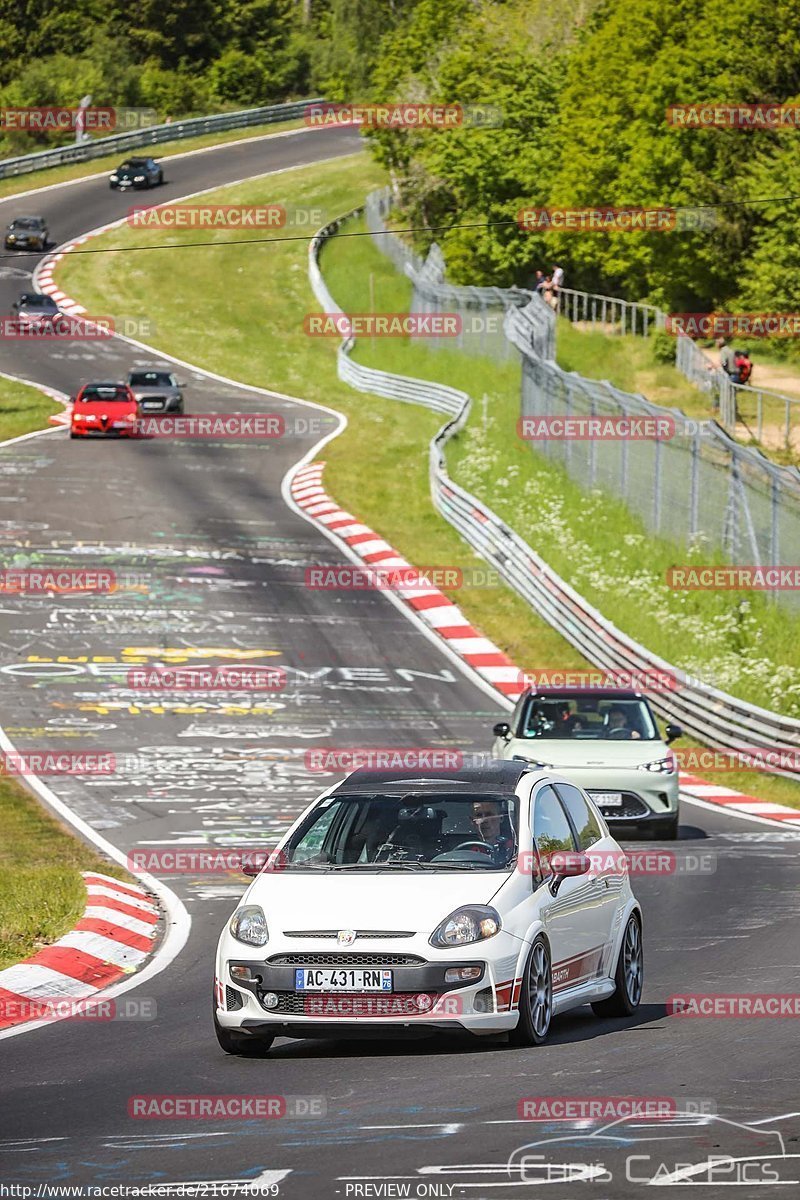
column 630, row 317
column 718, row 719
column 151, row 136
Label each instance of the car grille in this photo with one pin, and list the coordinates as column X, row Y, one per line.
column 352, row 1005
column 233, row 999
column 344, row 959
column 334, row 933
column 631, row 807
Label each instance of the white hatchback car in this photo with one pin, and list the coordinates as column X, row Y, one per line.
column 487, row 899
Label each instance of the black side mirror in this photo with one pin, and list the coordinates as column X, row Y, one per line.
column 673, row 733
column 501, row 729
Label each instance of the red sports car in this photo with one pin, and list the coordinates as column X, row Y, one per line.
column 108, row 409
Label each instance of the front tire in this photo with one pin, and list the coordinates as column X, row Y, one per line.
column 629, row 975
column 536, row 998
column 244, row 1045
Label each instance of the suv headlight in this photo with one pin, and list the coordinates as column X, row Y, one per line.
column 472, row 923
column 248, row 924
column 660, row 766
column 138, row 179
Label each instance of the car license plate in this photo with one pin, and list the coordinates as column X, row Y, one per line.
column 121, row 424
column 607, row 799
column 342, row 979
column 151, row 404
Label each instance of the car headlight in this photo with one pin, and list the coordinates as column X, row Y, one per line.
column 12, row 237
column 472, row 923
column 660, row 766
column 113, row 178
column 248, row 924
column 138, row 179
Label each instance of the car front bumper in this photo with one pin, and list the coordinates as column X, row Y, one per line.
column 649, row 797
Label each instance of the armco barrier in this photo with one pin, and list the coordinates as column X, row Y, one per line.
column 151, row 136
column 719, row 720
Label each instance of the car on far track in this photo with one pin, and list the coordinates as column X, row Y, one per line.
column 156, row 389
column 104, row 409
column 136, row 173
column 26, row 233
column 35, row 310
column 482, row 900
column 605, row 740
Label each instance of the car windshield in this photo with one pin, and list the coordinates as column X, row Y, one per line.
column 44, row 302
column 150, row 379
column 27, row 223
column 446, row 831
column 588, row 717
column 93, row 395
column 133, row 164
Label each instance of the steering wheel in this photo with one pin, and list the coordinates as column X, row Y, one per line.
column 618, row 734
column 482, row 847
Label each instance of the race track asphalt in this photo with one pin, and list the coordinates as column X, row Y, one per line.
column 212, row 558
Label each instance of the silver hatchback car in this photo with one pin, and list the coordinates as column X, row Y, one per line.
column 608, row 743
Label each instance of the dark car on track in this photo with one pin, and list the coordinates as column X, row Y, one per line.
column 104, row 409
column 156, row 390
column 26, row 233
column 34, row 309
column 136, row 173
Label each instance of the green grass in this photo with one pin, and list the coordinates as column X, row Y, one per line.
column 42, row 894
column 379, row 467
column 23, row 409
column 79, row 170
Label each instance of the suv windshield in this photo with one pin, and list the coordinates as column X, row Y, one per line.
column 441, row 832
column 588, row 717
column 150, row 379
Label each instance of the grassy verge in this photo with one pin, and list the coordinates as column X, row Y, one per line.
column 42, row 894
column 79, row 170
column 23, row 409
column 378, row 468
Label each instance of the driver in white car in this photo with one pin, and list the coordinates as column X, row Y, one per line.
column 617, row 719
column 494, row 827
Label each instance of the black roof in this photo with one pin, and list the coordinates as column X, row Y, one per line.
column 543, row 693
column 496, row 775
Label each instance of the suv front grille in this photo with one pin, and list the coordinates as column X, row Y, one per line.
column 233, row 999
column 344, row 959
column 631, row 807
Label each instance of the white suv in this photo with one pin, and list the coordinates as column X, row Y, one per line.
column 604, row 740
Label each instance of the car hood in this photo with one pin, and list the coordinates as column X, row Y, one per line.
column 108, row 408
column 564, row 752
column 141, row 393
column 415, row 902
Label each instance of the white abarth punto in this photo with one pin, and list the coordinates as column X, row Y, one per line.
column 487, row 899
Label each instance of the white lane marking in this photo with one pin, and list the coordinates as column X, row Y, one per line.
column 43, row 983
column 446, row 1127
